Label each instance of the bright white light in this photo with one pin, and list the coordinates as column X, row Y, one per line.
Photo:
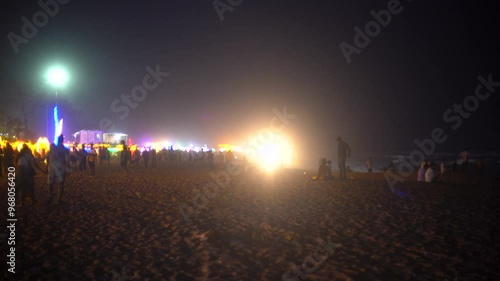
column 273, row 155
column 57, row 76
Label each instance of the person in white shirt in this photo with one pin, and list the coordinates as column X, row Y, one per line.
column 429, row 174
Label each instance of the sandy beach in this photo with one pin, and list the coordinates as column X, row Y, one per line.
column 256, row 227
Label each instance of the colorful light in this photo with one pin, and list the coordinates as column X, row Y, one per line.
column 58, row 125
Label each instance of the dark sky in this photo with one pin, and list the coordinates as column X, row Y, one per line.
column 226, row 77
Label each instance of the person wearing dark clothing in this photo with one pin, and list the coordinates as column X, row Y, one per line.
column 153, row 158
column 210, row 158
column 344, row 151
column 124, row 157
column 26, row 165
column 145, row 157
column 92, row 159
column 83, row 159
column 454, row 166
column 322, row 170
column 58, row 166
column 1, row 162
column 8, row 157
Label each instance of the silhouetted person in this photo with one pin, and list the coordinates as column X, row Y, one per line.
column 220, row 159
column 454, row 166
column 344, row 151
column 136, row 156
column 58, row 162
column 210, row 158
column 145, row 157
column 229, row 157
column 464, row 155
column 1, row 161
column 8, row 157
column 102, row 155
column 153, row 158
column 322, row 170
column 92, row 158
column 25, row 174
column 82, row 153
column 369, row 165
column 124, row 157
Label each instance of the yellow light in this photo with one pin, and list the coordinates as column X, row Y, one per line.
column 273, row 155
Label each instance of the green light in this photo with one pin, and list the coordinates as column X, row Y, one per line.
column 57, row 76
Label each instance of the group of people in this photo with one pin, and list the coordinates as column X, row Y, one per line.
column 325, row 167
column 79, row 158
column 26, row 166
column 151, row 156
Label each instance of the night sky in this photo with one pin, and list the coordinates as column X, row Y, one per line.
column 227, row 76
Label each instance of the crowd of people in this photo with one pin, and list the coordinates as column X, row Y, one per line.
column 82, row 159
column 25, row 165
column 149, row 157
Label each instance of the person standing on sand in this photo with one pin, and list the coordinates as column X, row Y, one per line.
column 83, row 159
column 344, row 151
column 429, row 174
column 229, row 158
column 369, row 164
column 465, row 160
column 26, row 174
column 421, row 172
column 1, row 161
column 92, row 158
column 8, row 158
column 57, row 163
column 443, row 167
column 146, row 157
column 124, row 156
column 153, row 158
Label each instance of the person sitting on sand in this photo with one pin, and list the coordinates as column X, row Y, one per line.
column 322, row 170
column 429, row 174
column 421, row 172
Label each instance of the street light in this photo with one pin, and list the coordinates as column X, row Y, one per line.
column 57, row 77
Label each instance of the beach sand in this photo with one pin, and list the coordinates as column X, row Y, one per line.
column 257, row 227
